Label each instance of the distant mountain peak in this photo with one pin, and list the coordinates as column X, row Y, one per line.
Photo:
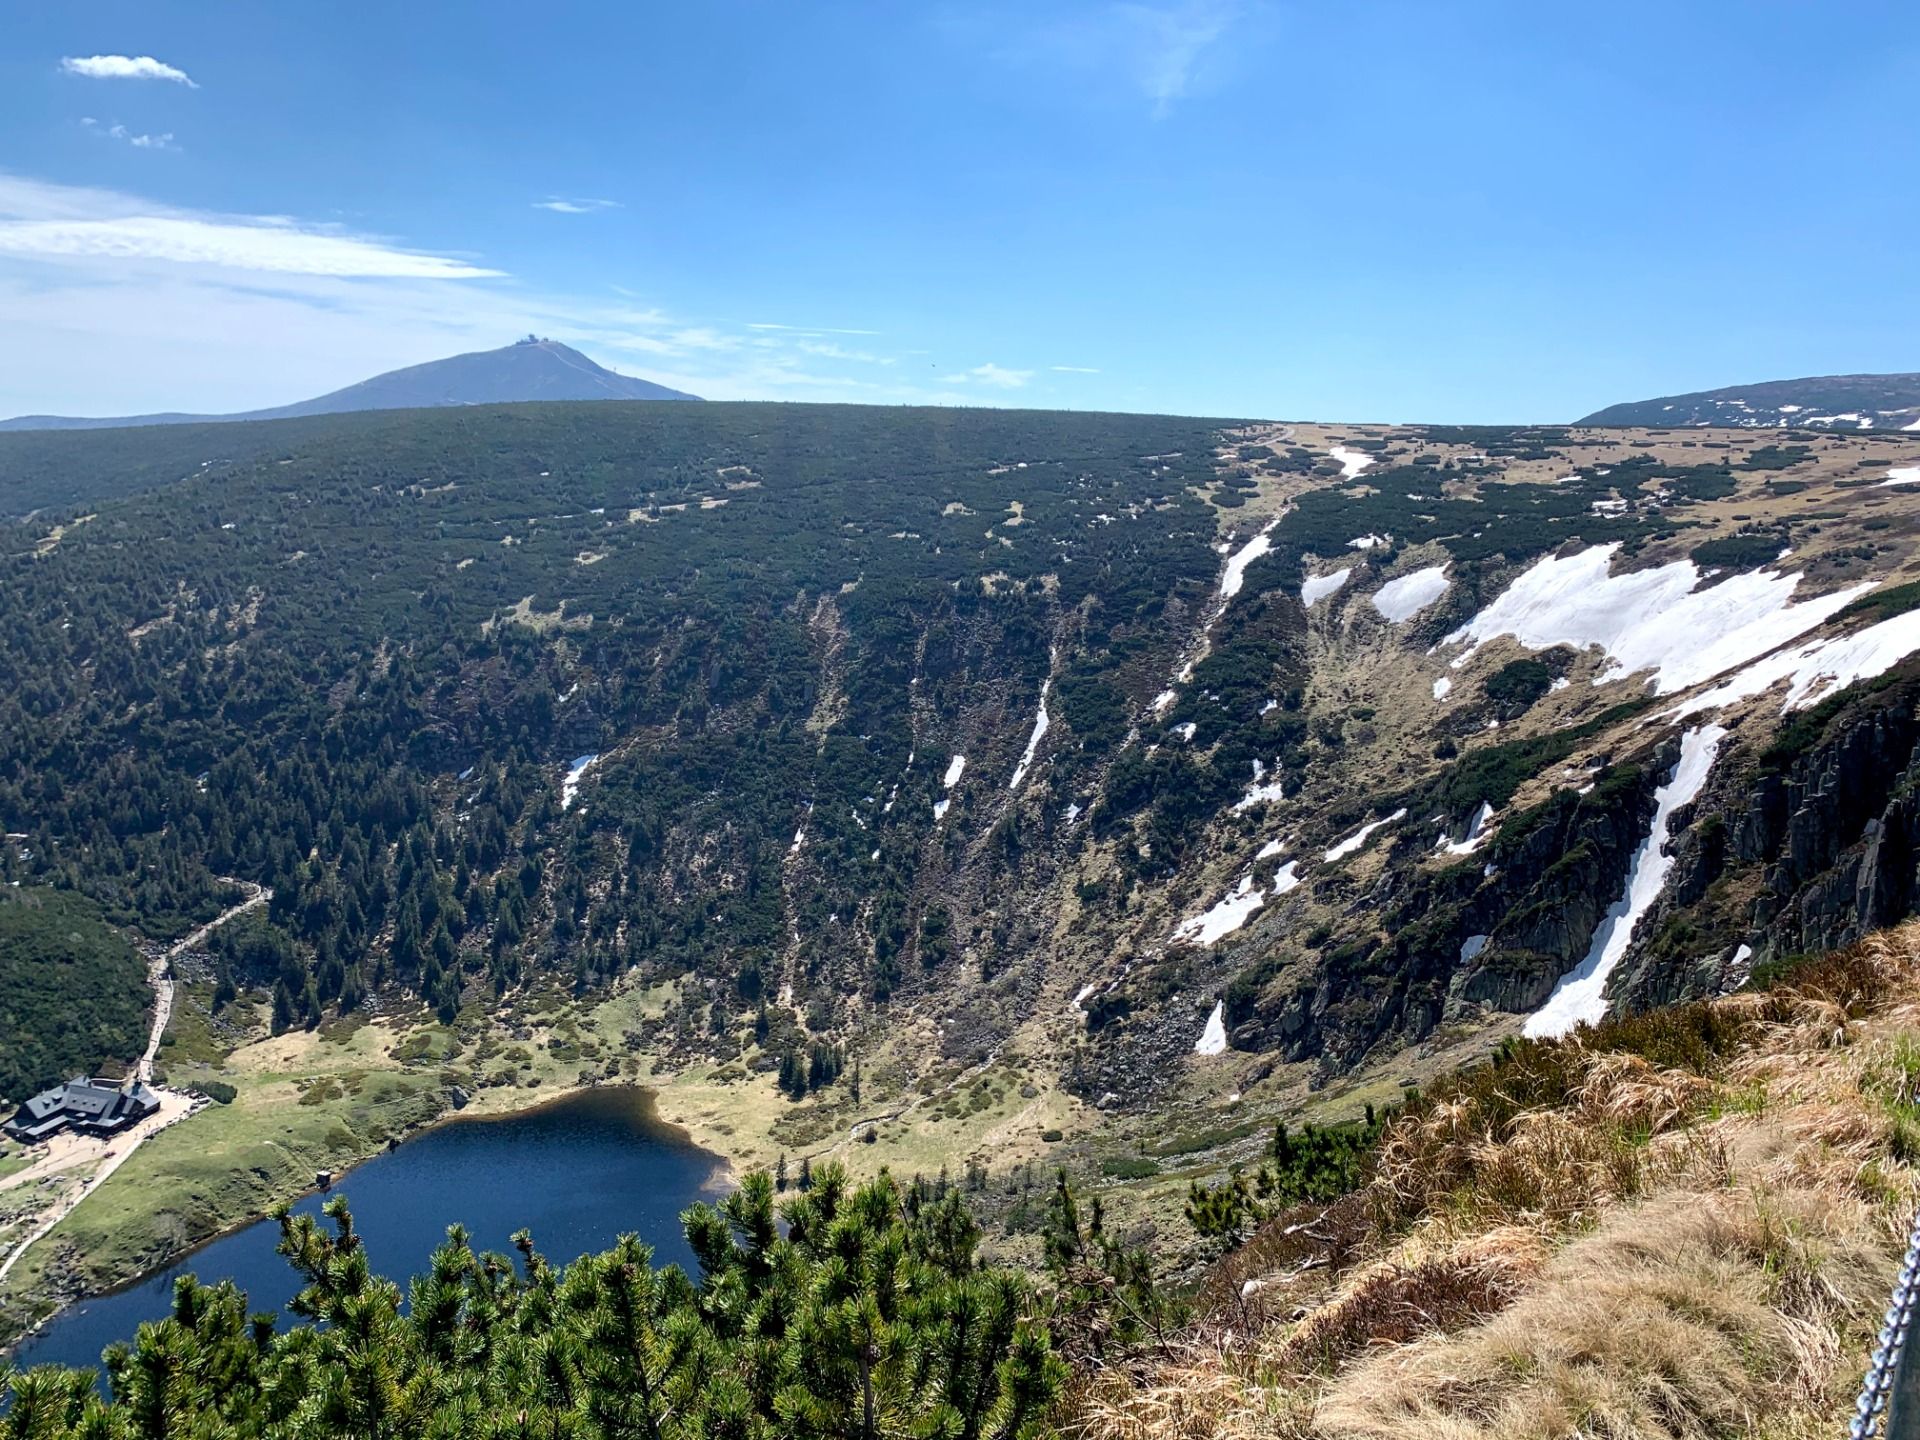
column 533, row 368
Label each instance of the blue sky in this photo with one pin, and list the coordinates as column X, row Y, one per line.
column 1371, row 211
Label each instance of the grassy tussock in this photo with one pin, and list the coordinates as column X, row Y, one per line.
column 1677, row 1225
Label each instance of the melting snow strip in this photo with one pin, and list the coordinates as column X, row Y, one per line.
column 1235, row 575
column 1359, row 837
column 1040, row 722
column 1580, row 995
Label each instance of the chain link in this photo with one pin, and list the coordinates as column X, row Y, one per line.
column 1870, row 1414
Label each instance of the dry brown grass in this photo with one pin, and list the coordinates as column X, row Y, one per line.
column 1589, row 1242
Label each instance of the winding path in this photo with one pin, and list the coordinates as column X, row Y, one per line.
column 174, row 1106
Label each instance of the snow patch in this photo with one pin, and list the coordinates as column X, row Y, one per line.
column 570, row 786
column 1164, row 699
column 1270, row 849
column 956, row 767
column 1652, row 619
column 1224, row 918
column 1235, row 575
column 1352, row 462
column 1406, row 597
column 1258, row 794
column 1367, row 542
column 1472, row 946
column 1318, row 587
column 1359, row 837
column 1906, row 474
column 1442, row 688
column 1080, row 1000
column 1286, row 878
column 1476, row 833
column 1213, row 1039
column 1580, row 996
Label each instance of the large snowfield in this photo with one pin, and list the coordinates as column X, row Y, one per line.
column 1818, row 668
column 1654, row 620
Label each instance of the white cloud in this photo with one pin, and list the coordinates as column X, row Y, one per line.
column 58, row 222
column 560, row 205
column 1073, row 369
column 139, row 142
column 997, row 376
column 125, row 67
column 115, row 305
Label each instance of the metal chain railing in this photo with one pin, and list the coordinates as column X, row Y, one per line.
column 1889, row 1406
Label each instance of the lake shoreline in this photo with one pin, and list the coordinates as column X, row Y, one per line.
column 722, row 1178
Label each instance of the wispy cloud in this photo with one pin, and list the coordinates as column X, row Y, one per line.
column 58, row 222
column 561, row 205
column 997, row 376
column 1073, row 369
column 807, row 329
column 139, row 142
column 125, row 67
column 1162, row 52
column 827, row 350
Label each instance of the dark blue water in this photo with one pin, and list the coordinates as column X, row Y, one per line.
column 578, row 1173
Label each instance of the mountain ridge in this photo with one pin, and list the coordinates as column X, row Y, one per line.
column 1821, row 402
column 529, row 369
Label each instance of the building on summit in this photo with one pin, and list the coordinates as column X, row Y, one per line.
column 89, row 1107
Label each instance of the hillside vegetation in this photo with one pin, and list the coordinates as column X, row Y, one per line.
column 1682, row 1224
column 1679, row 1224
column 73, row 991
